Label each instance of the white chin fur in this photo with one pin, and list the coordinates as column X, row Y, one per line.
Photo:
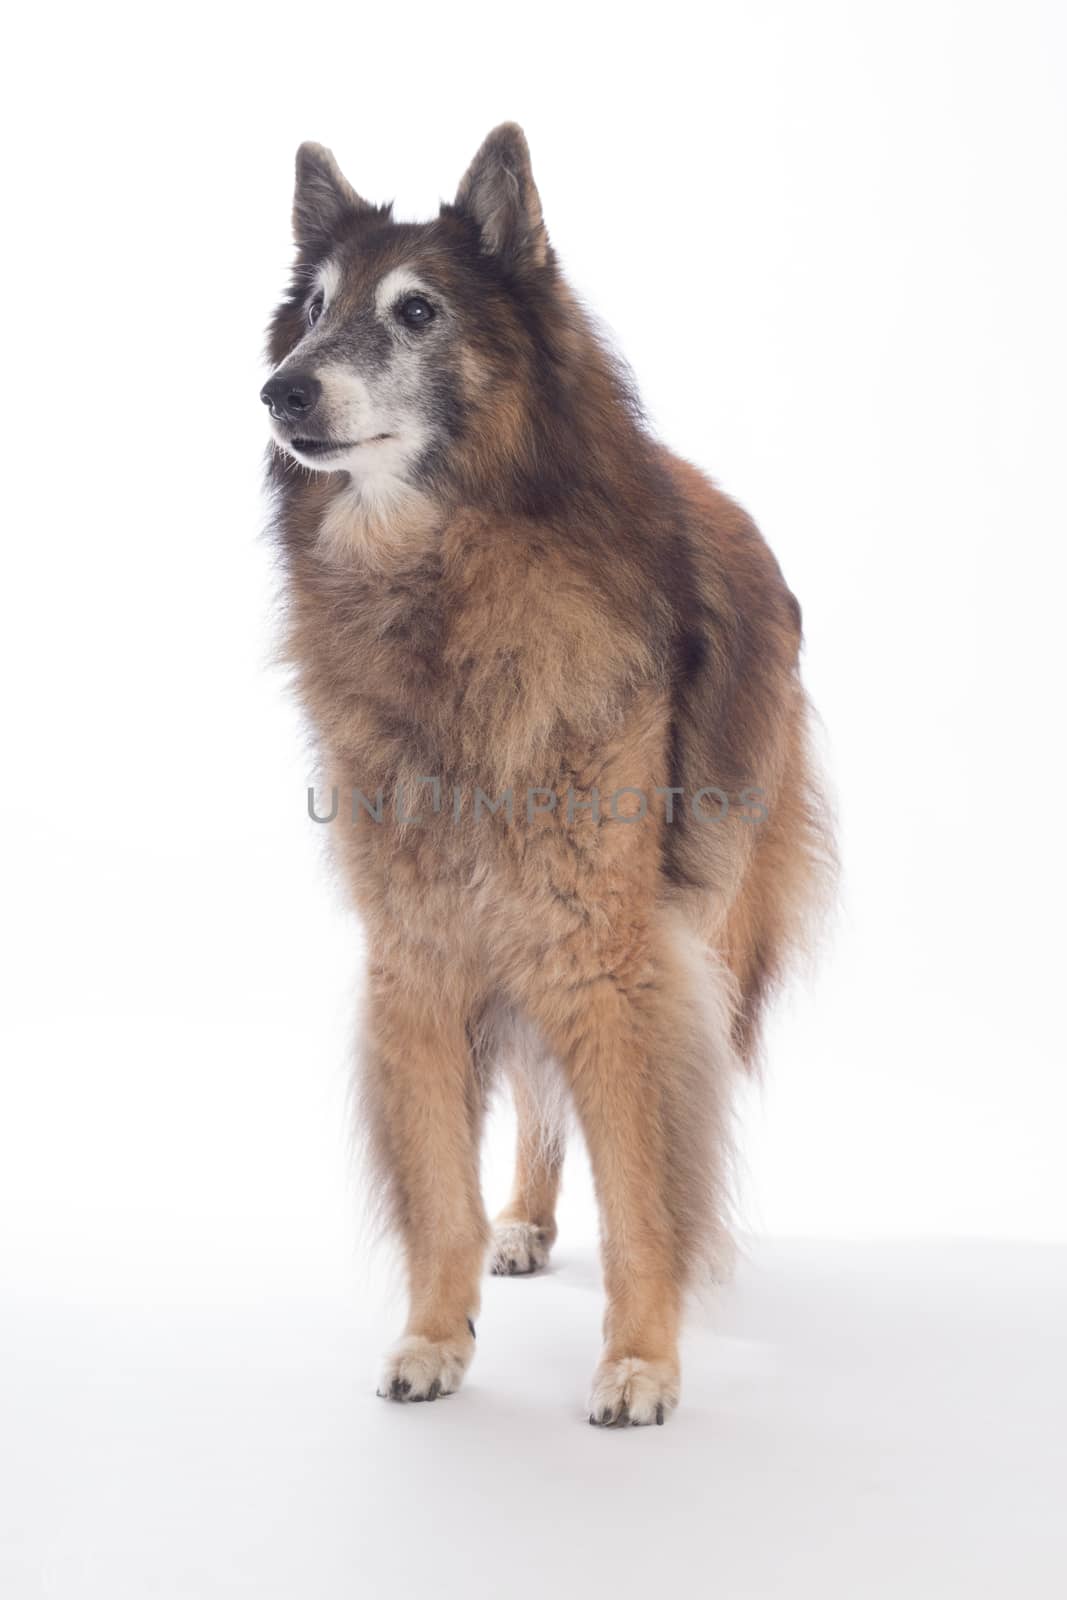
column 373, row 458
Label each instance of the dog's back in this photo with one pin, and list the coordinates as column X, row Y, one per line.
column 755, row 880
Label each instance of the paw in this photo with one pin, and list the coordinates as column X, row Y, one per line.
column 632, row 1392
column 518, row 1249
column 425, row 1369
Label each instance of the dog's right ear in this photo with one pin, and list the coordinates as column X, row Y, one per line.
column 323, row 198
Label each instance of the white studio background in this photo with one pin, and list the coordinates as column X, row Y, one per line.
column 831, row 241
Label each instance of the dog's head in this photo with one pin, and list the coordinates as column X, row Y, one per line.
column 401, row 346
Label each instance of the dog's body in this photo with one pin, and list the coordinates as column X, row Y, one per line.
column 501, row 586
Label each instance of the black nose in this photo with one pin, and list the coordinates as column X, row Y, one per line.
column 292, row 397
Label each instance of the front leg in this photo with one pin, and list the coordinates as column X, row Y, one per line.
column 649, row 1078
column 614, row 1076
column 424, row 1108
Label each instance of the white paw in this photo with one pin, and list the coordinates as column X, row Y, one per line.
column 518, row 1248
column 425, row 1369
column 632, row 1391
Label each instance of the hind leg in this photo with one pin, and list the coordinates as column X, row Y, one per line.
column 525, row 1230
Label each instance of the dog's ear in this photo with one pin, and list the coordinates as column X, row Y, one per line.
column 323, row 198
column 499, row 192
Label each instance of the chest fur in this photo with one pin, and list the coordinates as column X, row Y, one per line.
column 491, row 658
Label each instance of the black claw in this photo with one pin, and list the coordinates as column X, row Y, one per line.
column 512, row 1267
column 605, row 1415
column 435, row 1389
column 592, row 1420
column 470, row 1325
column 417, row 1399
column 659, row 1415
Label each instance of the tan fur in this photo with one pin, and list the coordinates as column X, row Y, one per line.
column 493, row 648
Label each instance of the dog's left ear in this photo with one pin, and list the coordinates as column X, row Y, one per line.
column 323, row 197
column 499, row 192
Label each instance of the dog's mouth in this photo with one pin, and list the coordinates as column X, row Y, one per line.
column 333, row 447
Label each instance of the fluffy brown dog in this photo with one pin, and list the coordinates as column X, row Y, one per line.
column 553, row 673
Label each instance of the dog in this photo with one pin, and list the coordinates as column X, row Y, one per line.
column 553, row 671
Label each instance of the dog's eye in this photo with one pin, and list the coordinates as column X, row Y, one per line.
column 315, row 310
column 415, row 311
